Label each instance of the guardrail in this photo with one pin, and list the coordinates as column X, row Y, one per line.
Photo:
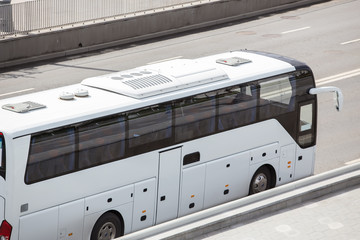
column 252, row 207
column 26, row 17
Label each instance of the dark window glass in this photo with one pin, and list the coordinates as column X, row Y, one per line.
column 2, row 156
column 51, row 154
column 191, row 158
column 195, row 117
column 276, row 97
column 150, row 128
column 101, row 141
column 237, row 107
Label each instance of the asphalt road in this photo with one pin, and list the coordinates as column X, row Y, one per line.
column 326, row 36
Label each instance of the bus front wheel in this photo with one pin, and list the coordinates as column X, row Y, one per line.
column 261, row 180
column 107, row 227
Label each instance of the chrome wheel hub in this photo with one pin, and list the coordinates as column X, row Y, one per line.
column 260, row 183
column 107, row 231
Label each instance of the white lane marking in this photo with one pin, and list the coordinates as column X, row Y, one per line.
column 338, row 77
column 20, row 91
column 295, row 30
column 164, row 60
column 353, row 161
column 352, row 41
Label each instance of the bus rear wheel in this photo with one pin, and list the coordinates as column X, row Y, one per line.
column 107, row 227
column 261, row 180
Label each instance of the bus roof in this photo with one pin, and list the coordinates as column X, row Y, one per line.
column 131, row 89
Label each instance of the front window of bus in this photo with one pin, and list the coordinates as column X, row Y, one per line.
column 2, row 155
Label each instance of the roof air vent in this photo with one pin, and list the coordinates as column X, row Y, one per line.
column 81, row 92
column 23, row 107
column 66, row 96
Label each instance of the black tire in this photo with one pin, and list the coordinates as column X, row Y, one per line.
column 261, row 181
column 107, row 227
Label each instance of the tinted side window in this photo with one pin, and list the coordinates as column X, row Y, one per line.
column 237, row 107
column 51, row 154
column 276, row 98
column 101, row 141
column 2, row 156
column 150, row 128
column 195, row 117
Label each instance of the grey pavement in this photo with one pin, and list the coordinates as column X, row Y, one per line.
column 332, row 217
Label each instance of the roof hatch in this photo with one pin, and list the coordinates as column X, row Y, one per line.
column 23, row 107
column 157, row 79
column 233, row 61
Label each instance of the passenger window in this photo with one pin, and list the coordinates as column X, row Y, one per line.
column 276, row 98
column 278, row 90
column 150, row 128
column 51, row 154
column 195, row 117
column 101, row 141
column 237, row 107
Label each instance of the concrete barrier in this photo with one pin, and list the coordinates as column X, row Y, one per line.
column 252, row 207
column 69, row 41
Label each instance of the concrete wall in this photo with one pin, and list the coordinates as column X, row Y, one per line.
column 52, row 44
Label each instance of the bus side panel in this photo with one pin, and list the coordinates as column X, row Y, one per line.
column 287, row 163
column 192, row 190
column 41, row 225
column 225, row 179
column 71, row 217
column 144, row 204
column 304, row 162
column 109, row 199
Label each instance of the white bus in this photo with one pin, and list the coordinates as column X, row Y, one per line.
column 128, row 150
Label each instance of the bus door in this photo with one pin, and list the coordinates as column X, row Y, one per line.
column 168, row 185
column 306, row 137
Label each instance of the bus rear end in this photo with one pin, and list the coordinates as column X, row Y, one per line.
column 5, row 228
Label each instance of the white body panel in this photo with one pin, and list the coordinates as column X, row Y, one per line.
column 41, row 225
column 287, row 163
column 71, row 217
column 144, row 204
column 192, row 191
column 225, row 179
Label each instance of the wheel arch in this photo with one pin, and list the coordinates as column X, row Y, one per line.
column 114, row 212
column 272, row 171
column 118, row 214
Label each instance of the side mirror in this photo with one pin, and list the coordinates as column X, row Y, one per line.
column 338, row 96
